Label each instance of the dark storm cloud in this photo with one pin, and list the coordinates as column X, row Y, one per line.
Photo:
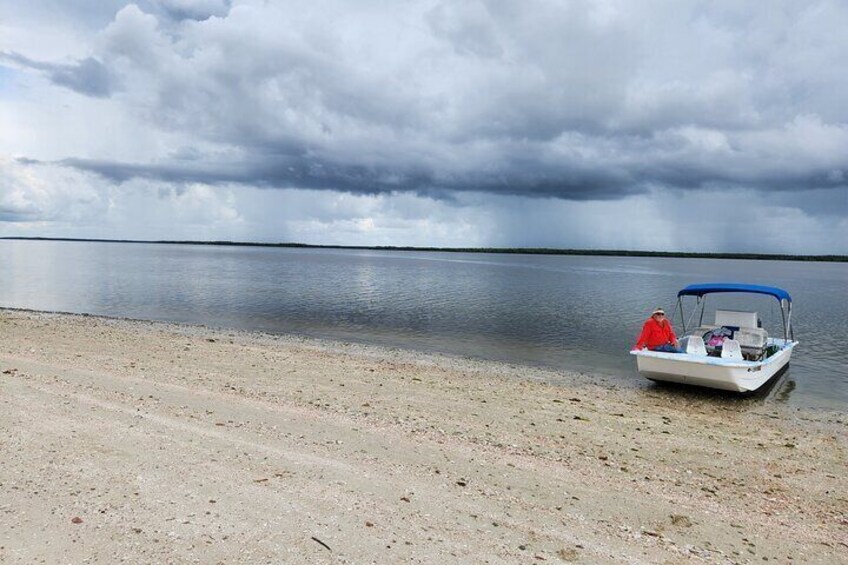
column 524, row 179
column 197, row 10
column 293, row 172
column 87, row 76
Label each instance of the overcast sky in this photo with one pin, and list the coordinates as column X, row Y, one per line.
column 656, row 125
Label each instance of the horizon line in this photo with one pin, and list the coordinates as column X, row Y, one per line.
column 509, row 250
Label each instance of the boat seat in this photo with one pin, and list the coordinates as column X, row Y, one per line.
column 730, row 349
column 695, row 346
column 733, row 318
column 753, row 339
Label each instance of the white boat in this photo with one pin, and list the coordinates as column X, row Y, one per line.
column 734, row 353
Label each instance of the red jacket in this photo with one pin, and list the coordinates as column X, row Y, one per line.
column 655, row 334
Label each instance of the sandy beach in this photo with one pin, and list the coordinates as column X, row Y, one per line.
column 154, row 443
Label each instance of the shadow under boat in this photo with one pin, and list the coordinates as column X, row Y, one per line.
column 778, row 388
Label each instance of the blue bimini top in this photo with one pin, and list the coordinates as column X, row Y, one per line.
column 710, row 288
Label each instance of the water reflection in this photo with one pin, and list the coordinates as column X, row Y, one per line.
column 784, row 389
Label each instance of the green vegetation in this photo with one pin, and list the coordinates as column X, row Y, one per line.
column 513, row 250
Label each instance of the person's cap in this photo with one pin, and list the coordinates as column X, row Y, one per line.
column 658, row 310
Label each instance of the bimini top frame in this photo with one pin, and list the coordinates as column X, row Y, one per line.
column 701, row 290
column 710, row 288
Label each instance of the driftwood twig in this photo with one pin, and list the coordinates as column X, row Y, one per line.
column 322, row 543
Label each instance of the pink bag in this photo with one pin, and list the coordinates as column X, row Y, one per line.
column 716, row 341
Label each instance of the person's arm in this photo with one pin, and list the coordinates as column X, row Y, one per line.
column 643, row 338
column 671, row 335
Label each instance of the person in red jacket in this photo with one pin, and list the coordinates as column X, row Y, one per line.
column 657, row 334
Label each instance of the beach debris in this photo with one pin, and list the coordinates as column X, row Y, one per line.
column 681, row 520
column 369, row 524
column 568, row 554
column 76, row 520
column 10, row 371
column 405, row 498
column 462, row 482
column 321, row 542
column 262, row 480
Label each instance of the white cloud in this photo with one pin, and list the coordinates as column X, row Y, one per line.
column 38, row 198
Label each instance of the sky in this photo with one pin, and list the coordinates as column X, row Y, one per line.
column 671, row 125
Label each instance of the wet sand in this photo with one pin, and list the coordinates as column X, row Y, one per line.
column 157, row 443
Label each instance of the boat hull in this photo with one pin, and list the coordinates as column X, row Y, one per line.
column 712, row 372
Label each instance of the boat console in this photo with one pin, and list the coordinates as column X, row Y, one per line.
column 740, row 327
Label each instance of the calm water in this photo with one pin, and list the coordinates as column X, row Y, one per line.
column 578, row 313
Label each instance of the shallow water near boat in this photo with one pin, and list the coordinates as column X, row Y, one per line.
column 563, row 312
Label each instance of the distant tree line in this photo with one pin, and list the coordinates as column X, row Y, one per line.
column 513, row 250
